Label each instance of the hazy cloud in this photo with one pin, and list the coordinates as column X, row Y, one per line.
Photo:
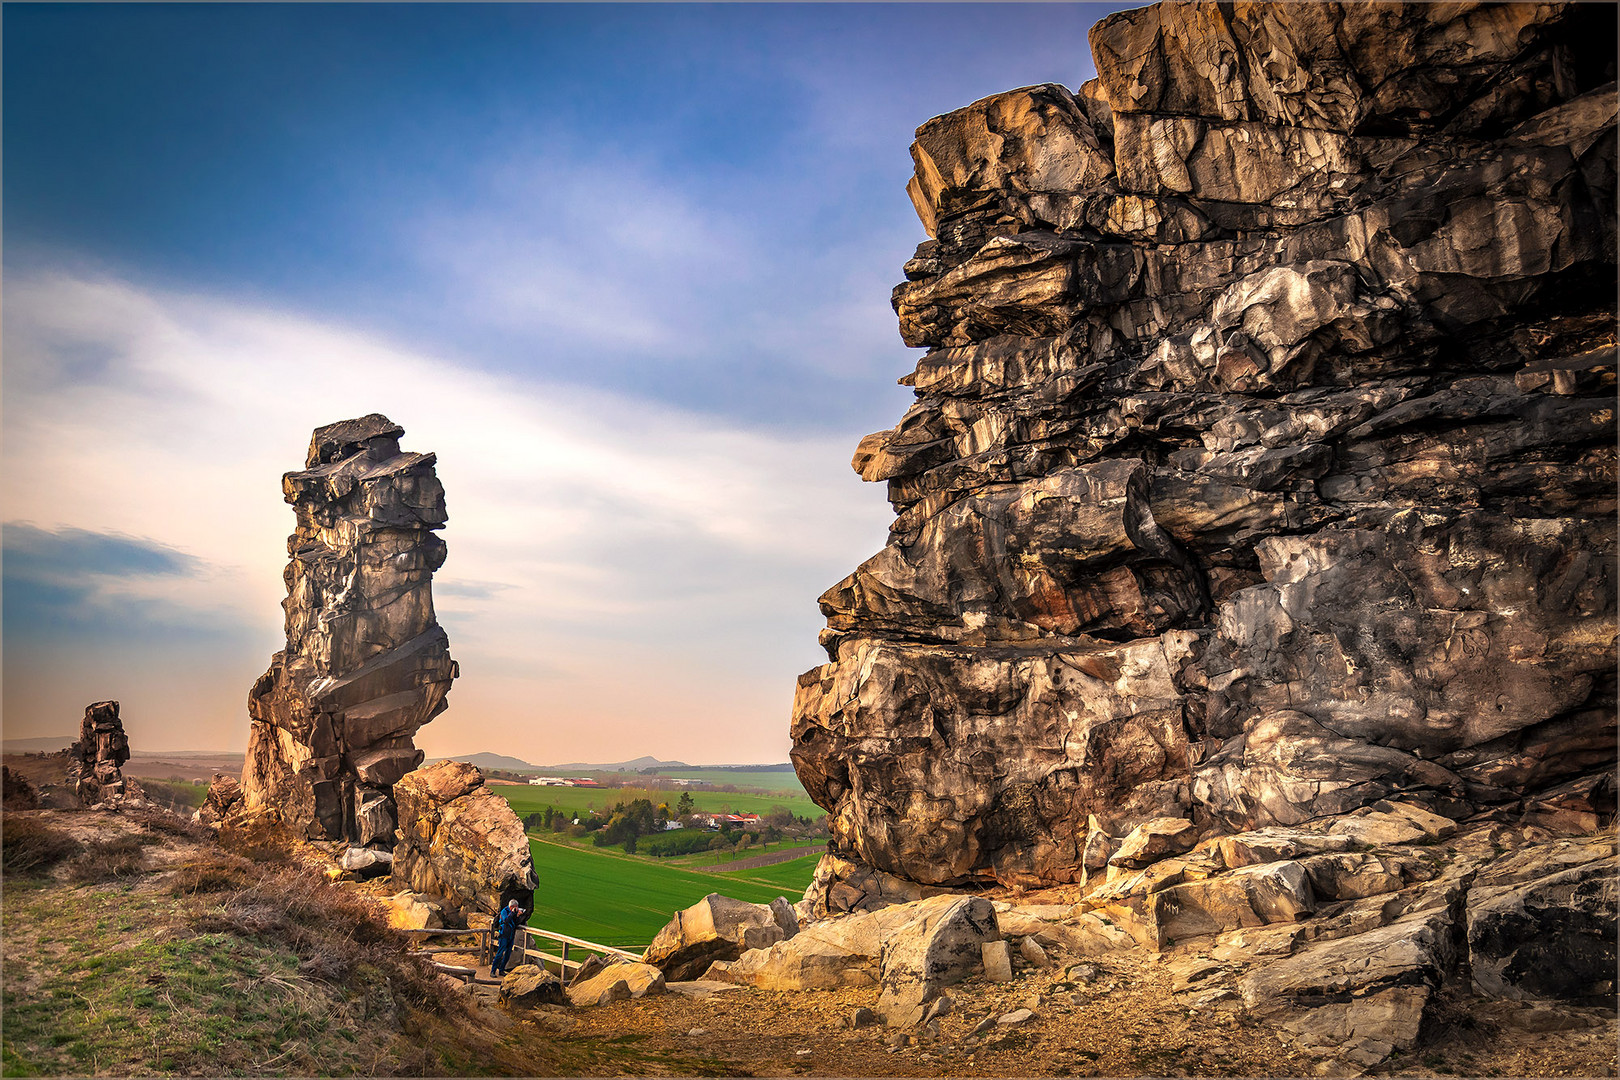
column 615, row 564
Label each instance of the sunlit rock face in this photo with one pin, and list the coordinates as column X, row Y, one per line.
column 95, row 770
column 1262, row 463
column 366, row 663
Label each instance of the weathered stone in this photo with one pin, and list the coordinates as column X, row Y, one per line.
column 842, row 884
column 899, row 945
column 1031, row 951
column 1153, row 840
column 940, row 944
column 95, row 770
column 715, row 928
column 528, row 985
column 997, row 959
column 366, row 663
column 1541, row 924
column 223, row 799
column 1262, row 462
column 460, row 842
column 617, row 982
column 1248, row 896
column 415, row 911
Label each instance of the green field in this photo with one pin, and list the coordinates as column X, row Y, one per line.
column 527, row 800
column 785, row 782
column 624, row 900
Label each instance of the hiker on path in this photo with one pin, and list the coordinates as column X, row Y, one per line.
column 506, row 926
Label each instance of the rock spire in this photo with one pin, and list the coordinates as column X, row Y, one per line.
column 366, row 663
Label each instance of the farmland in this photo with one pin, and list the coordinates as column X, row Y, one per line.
column 527, row 800
column 786, row 781
column 624, row 900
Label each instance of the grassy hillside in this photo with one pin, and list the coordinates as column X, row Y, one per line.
column 527, row 800
column 135, row 946
column 625, row 900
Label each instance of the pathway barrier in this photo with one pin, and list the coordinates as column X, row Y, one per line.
column 559, row 963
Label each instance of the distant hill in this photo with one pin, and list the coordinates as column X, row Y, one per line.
column 637, row 765
column 489, row 761
column 34, row 746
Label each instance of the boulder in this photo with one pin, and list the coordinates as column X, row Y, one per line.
column 717, row 928
column 617, row 982
column 996, row 956
column 528, row 985
column 1255, row 895
column 1360, row 997
column 224, row 798
column 842, row 884
column 366, row 663
column 1154, row 840
column 414, row 911
column 1544, row 928
column 941, row 943
column 460, row 842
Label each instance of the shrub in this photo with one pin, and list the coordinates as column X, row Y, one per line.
column 28, row 845
column 174, row 795
column 215, row 871
column 110, row 858
column 683, row 842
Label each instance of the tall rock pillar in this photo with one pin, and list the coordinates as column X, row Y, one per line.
column 366, row 662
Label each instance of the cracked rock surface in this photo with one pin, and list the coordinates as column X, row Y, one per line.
column 1261, row 468
column 366, row 662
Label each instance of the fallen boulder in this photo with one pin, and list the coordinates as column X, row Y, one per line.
column 910, row 950
column 718, row 928
column 1550, row 934
column 528, row 985
column 941, row 944
column 617, row 982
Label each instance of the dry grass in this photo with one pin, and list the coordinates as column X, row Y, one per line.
column 29, row 845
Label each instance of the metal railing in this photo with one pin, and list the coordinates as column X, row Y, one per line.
column 559, row 963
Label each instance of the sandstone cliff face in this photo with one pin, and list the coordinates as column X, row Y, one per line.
column 366, row 662
column 1262, row 464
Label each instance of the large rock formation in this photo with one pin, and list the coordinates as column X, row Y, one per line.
column 1262, row 464
column 461, row 842
column 96, row 760
column 366, row 663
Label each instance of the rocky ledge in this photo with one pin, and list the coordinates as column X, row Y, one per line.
column 1262, row 464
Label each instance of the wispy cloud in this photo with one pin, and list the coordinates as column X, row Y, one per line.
column 652, row 564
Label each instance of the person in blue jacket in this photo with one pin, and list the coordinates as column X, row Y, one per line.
column 506, row 927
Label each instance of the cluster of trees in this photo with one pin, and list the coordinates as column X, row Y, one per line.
column 627, row 823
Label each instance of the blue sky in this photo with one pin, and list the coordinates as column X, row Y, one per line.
column 625, row 267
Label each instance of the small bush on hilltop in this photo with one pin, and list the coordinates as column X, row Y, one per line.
column 110, row 857
column 29, row 846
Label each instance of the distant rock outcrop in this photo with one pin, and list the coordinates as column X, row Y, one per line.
column 366, row 662
column 1262, row 465
column 95, row 769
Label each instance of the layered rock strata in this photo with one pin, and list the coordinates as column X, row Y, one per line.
column 95, row 767
column 1262, row 463
column 366, row 662
column 461, row 843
